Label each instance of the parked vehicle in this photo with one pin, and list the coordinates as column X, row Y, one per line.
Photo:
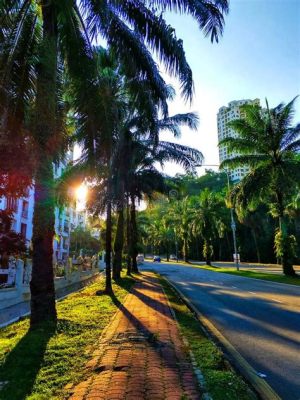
column 156, row 259
column 140, row 259
column 173, row 257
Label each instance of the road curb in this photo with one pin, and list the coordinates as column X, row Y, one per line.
column 248, row 277
column 260, row 386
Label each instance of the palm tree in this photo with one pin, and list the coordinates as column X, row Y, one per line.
column 67, row 28
column 207, row 220
column 267, row 142
column 182, row 217
column 142, row 178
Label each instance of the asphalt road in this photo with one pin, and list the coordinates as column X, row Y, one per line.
column 261, row 319
column 268, row 268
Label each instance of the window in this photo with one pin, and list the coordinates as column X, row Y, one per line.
column 25, row 206
column 23, row 230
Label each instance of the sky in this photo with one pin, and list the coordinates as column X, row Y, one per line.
column 257, row 57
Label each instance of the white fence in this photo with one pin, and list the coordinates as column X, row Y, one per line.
column 15, row 288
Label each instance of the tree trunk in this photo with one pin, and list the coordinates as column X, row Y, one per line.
column 256, row 245
column 168, row 251
column 42, row 281
column 118, row 245
column 128, row 239
column 220, row 249
column 134, row 235
column 108, row 287
column 287, row 257
column 207, row 253
column 185, row 250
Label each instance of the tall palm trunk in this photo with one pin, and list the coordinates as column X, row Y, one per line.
column 185, row 250
column 256, row 244
column 108, row 236
column 207, row 251
column 42, row 281
column 118, row 245
column 134, row 236
column 287, row 257
column 128, row 239
column 168, row 251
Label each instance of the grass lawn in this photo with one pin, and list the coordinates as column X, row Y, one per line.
column 251, row 274
column 38, row 364
column 222, row 382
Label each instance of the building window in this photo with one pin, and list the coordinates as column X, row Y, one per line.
column 23, row 230
column 25, row 207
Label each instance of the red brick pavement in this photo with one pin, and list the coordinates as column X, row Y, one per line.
column 141, row 355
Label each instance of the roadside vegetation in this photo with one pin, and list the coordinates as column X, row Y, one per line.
column 193, row 219
column 267, row 276
column 37, row 364
column 222, row 382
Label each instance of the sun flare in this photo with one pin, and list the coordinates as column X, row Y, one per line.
column 81, row 193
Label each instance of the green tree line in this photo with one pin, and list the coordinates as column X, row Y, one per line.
column 266, row 201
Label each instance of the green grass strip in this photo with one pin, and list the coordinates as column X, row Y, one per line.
column 38, row 364
column 266, row 276
column 222, row 382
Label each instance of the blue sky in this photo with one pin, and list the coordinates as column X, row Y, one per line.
column 257, row 57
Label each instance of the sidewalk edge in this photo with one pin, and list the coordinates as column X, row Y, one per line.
column 260, row 386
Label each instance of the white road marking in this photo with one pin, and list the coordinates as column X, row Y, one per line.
column 277, row 301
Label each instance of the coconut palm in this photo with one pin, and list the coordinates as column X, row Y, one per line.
column 207, row 220
column 142, row 178
column 67, row 29
column 268, row 142
column 182, row 217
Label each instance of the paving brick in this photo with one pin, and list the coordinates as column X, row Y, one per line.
column 140, row 355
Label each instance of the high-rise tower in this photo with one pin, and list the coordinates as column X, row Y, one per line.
column 225, row 115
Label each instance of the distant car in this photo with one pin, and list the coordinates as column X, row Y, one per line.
column 156, row 259
column 173, row 257
column 140, row 259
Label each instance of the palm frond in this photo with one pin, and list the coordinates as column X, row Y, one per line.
column 188, row 157
column 251, row 160
column 243, row 194
column 208, row 14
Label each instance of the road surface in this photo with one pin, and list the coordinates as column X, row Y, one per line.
column 268, row 268
column 261, row 319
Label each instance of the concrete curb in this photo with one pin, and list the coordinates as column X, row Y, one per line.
column 260, row 386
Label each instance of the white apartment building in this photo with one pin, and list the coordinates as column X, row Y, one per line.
column 66, row 219
column 225, row 115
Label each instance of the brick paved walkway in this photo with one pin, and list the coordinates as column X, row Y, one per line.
column 141, row 354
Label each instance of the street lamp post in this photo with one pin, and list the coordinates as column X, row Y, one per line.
column 233, row 224
column 233, row 227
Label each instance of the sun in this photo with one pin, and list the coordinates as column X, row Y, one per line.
column 81, row 193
